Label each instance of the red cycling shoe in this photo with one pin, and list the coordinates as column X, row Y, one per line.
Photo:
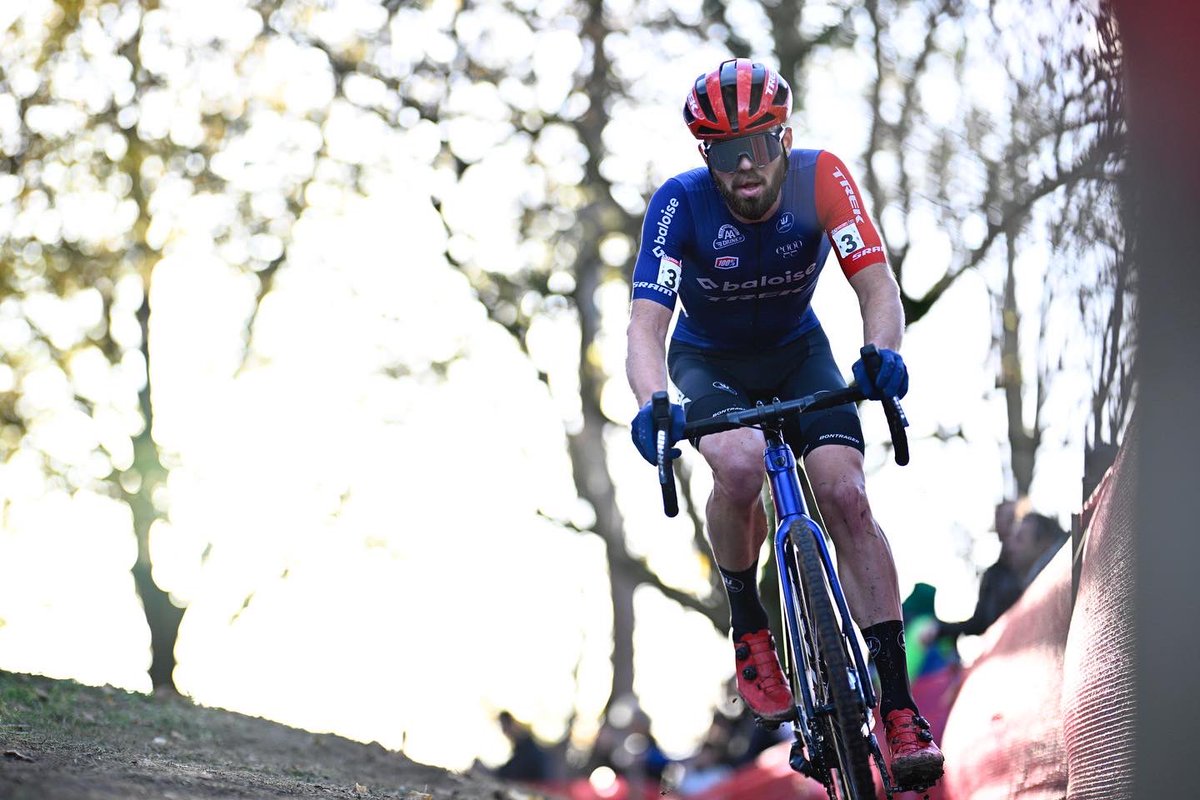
column 760, row 679
column 916, row 760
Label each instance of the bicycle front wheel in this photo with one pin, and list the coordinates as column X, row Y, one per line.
column 846, row 713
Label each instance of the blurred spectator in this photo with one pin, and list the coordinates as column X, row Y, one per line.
column 645, row 754
column 925, row 653
column 737, row 734
column 626, row 744
column 529, row 761
column 1002, row 583
column 703, row 770
column 1041, row 538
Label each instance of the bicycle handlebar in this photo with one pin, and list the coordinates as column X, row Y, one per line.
column 892, row 411
column 769, row 415
column 660, row 410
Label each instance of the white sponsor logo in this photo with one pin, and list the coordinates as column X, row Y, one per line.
column 668, row 273
column 790, row 249
column 728, row 235
column 729, row 410
column 866, row 252
column 847, row 239
column 667, row 216
column 839, row 436
column 787, row 279
column 785, row 222
column 733, row 584
column 654, row 287
column 845, row 183
column 726, row 262
column 724, row 387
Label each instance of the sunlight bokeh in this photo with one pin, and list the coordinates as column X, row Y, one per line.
column 372, row 518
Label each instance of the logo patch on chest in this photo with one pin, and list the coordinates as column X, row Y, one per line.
column 785, row 222
column 728, row 235
column 790, row 249
column 726, row 262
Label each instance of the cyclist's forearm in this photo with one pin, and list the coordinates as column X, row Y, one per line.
column 883, row 324
column 645, row 367
column 879, row 301
column 645, row 361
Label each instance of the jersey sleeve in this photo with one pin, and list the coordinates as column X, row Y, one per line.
column 658, row 270
column 855, row 239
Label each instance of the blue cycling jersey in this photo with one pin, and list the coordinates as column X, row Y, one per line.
column 749, row 285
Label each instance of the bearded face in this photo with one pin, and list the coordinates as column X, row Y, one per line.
column 751, row 191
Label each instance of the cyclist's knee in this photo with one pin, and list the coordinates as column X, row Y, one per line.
column 847, row 499
column 738, row 470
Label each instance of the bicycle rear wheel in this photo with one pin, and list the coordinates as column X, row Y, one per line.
column 834, row 690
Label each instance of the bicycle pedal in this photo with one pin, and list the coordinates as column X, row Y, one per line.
column 768, row 724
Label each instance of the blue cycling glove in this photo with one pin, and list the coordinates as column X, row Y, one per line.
column 642, row 431
column 891, row 381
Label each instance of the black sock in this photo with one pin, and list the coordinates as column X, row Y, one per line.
column 746, row 613
column 885, row 640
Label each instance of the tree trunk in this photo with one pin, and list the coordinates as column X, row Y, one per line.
column 1022, row 446
column 162, row 615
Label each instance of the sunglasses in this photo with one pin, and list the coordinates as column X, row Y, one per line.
column 760, row 148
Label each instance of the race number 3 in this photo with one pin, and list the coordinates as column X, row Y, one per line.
column 847, row 239
column 668, row 273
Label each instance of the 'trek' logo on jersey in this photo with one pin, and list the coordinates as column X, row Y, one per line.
column 845, row 183
column 664, row 225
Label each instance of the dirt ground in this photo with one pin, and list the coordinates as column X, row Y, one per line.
column 63, row 741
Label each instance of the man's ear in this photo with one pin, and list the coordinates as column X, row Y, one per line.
column 786, row 141
column 703, row 154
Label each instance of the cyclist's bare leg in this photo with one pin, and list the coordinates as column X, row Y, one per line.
column 737, row 527
column 868, row 576
column 865, row 563
column 737, row 523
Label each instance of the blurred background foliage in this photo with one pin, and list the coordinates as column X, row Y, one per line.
column 505, row 149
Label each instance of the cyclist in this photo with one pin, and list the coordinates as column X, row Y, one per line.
column 740, row 243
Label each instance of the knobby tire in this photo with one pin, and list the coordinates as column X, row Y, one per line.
column 854, row 768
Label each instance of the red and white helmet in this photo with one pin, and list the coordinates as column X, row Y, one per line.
column 737, row 98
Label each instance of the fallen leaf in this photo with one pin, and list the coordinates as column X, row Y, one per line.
column 360, row 789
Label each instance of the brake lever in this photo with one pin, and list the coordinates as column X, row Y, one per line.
column 660, row 413
column 892, row 411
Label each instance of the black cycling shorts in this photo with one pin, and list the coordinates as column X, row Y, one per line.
column 713, row 382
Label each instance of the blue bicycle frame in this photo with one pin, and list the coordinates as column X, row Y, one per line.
column 790, row 508
column 796, row 562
